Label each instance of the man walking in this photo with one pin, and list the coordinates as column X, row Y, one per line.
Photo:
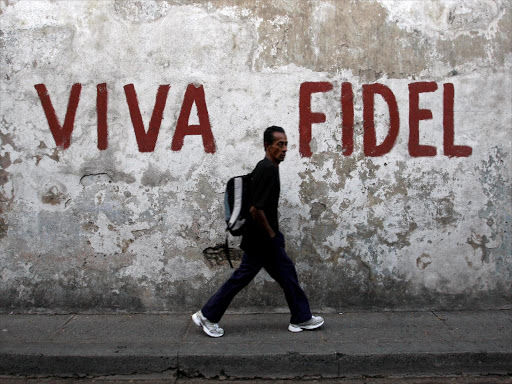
column 263, row 247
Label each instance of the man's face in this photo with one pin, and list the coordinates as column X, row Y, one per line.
column 277, row 150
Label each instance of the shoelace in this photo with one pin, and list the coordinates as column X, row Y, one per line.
column 215, row 326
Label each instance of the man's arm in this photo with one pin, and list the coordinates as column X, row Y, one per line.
column 259, row 216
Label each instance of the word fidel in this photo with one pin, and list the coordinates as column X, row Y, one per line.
column 146, row 140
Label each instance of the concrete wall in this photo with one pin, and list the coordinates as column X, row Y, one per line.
column 91, row 222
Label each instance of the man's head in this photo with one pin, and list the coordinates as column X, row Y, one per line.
column 276, row 143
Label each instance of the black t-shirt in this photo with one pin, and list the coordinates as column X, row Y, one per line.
column 265, row 189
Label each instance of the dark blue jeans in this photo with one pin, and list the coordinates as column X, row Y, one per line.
column 279, row 266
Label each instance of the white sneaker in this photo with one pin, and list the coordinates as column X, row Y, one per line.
column 211, row 329
column 314, row 322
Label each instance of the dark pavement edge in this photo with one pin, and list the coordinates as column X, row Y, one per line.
column 284, row 366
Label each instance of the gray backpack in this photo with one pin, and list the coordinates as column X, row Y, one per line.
column 236, row 206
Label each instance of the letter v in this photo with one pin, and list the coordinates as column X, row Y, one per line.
column 146, row 141
column 61, row 134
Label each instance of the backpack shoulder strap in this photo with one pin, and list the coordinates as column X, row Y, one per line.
column 237, row 200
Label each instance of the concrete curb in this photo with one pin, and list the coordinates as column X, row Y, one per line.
column 287, row 365
column 339, row 365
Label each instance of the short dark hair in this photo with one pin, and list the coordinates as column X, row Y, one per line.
column 268, row 136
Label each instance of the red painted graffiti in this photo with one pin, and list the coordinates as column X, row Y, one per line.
column 450, row 149
column 61, row 134
column 370, row 147
column 101, row 108
column 415, row 115
column 306, row 117
column 370, row 138
column 347, row 115
column 146, row 139
column 194, row 95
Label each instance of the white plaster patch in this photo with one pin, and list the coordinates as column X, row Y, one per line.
column 106, row 240
column 445, row 18
column 33, row 14
column 323, row 12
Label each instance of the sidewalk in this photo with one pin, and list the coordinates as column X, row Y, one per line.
column 259, row 345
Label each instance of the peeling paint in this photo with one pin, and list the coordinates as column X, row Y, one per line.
column 84, row 229
column 423, row 261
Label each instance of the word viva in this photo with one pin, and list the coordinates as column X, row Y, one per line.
column 146, row 139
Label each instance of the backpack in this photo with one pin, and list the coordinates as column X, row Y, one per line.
column 236, row 206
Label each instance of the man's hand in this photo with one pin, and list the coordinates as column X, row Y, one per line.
column 259, row 216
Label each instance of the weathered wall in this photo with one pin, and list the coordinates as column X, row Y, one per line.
column 92, row 229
